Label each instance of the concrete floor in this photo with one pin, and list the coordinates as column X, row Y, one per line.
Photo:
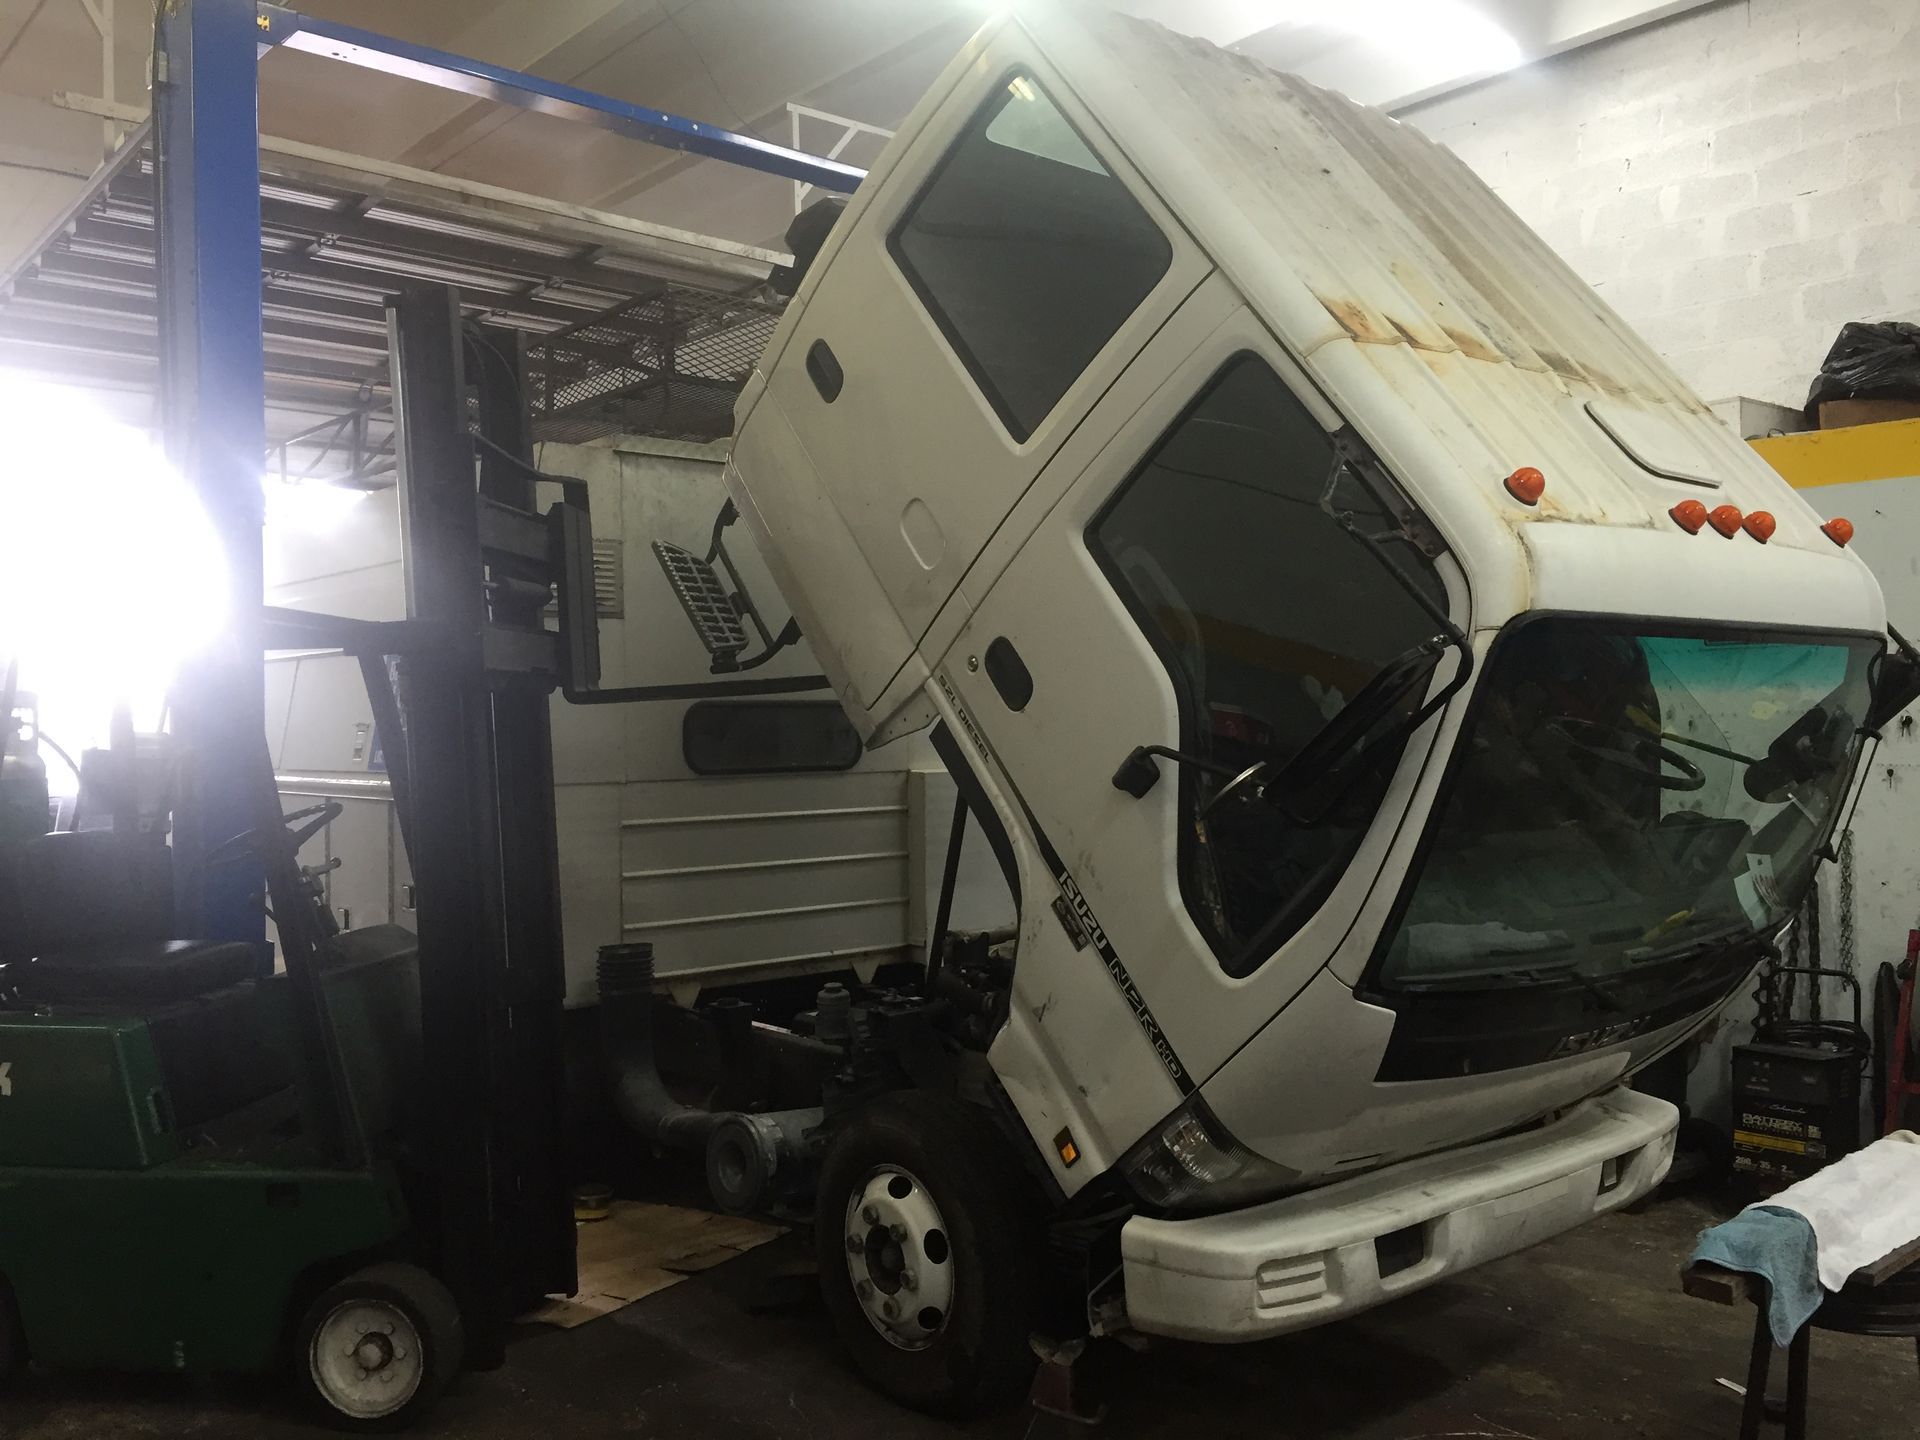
column 1586, row 1336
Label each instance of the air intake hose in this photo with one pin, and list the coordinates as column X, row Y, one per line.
column 626, row 1046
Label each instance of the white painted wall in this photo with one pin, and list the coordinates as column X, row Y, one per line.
column 1738, row 181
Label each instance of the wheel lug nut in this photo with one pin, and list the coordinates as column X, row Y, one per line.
column 909, row 1280
column 855, row 1244
column 899, row 1233
column 889, row 1309
column 869, row 1214
column 864, row 1289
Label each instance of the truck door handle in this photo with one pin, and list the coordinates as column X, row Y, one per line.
column 823, row 368
column 1009, row 674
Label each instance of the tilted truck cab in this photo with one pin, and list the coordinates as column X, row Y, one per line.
column 1402, row 710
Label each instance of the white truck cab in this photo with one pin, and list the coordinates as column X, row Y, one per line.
column 1401, row 709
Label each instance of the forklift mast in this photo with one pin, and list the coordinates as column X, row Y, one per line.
column 459, row 691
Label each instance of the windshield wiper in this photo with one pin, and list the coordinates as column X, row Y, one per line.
column 1519, row 976
column 1489, row 979
column 1725, row 938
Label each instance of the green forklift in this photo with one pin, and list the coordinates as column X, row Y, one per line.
column 346, row 1162
column 187, row 1181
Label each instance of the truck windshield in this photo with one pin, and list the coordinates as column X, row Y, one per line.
column 1624, row 796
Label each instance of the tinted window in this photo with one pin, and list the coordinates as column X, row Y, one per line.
column 1269, row 617
column 759, row 737
column 1028, row 253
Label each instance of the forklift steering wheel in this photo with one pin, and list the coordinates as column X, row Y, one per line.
column 317, row 818
column 1641, row 755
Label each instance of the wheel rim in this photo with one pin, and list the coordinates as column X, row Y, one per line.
column 899, row 1258
column 366, row 1358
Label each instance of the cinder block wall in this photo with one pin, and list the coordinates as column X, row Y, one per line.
column 1738, row 182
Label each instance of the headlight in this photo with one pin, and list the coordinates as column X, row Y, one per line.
column 1189, row 1162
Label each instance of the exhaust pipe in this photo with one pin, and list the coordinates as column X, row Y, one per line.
column 743, row 1151
column 626, row 1047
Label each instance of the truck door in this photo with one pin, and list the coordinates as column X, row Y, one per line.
column 1190, row 591
column 989, row 281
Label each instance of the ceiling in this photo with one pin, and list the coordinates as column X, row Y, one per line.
column 735, row 63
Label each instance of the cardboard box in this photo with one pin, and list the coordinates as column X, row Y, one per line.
column 1840, row 414
column 1751, row 418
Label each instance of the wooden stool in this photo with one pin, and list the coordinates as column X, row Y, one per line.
column 1879, row 1299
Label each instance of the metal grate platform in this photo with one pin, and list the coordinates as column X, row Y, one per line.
column 666, row 364
column 631, row 328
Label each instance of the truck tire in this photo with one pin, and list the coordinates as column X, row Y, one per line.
column 375, row 1351
column 930, row 1264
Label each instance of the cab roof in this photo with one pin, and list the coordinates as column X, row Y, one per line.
column 1341, row 224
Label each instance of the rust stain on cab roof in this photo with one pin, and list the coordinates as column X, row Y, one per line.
column 1359, row 322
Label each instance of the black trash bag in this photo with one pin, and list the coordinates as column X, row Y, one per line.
column 1877, row 361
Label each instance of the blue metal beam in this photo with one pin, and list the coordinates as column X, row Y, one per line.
column 206, row 136
column 354, row 46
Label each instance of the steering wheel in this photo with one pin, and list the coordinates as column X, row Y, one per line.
column 1242, row 786
column 1641, row 755
column 318, row 817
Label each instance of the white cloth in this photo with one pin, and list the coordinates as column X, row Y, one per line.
column 1862, row 1208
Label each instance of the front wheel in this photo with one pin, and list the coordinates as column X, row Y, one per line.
column 376, row 1350
column 927, row 1232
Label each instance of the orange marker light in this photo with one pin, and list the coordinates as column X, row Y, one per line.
column 1527, row 485
column 1726, row 519
column 1760, row 525
column 1689, row 515
column 1838, row 530
column 1068, row 1151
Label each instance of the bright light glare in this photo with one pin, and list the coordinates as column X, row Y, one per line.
column 111, row 575
column 1447, row 35
column 302, row 508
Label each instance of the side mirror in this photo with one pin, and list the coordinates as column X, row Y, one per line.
column 1897, row 685
column 1137, row 773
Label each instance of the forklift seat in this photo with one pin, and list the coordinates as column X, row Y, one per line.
column 93, row 923
column 86, row 925
column 139, row 971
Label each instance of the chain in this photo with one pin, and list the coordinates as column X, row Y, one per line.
column 1766, row 998
column 1846, row 904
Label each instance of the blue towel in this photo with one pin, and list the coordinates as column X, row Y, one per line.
column 1778, row 1246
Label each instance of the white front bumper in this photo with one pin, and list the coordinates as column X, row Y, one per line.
column 1312, row 1257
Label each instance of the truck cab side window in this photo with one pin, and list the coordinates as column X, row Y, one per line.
column 1269, row 618
column 1027, row 252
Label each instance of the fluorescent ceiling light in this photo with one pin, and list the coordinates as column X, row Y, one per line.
column 1442, row 34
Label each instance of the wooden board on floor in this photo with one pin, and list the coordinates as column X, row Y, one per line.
column 639, row 1250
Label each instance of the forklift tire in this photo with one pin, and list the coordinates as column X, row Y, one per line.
column 375, row 1351
column 928, row 1236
